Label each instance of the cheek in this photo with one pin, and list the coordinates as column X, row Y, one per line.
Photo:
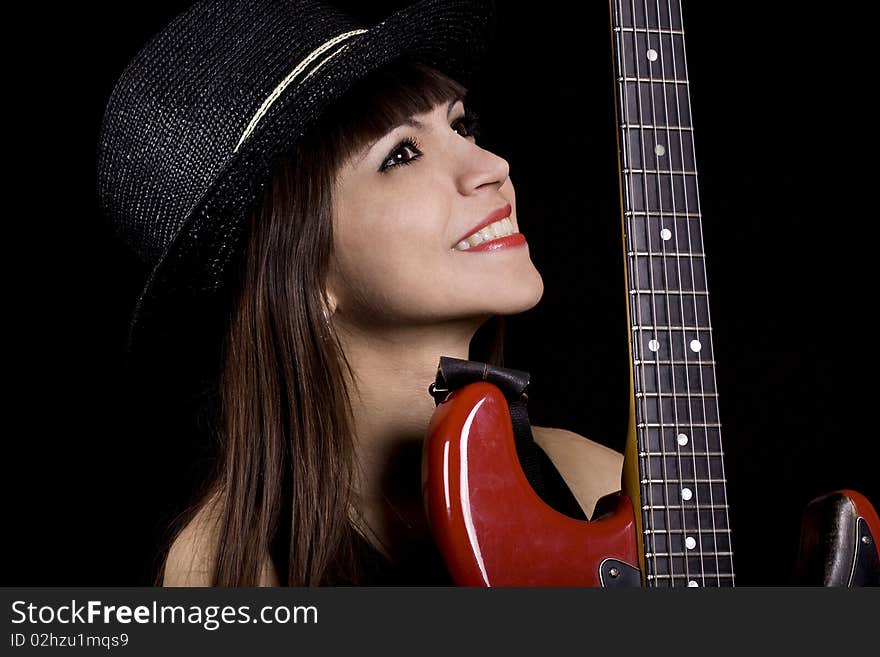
column 390, row 267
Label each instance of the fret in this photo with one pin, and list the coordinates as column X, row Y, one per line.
column 652, row 507
column 657, row 147
column 687, row 520
column 622, row 78
column 683, row 465
column 659, row 327
column 652, row 126
column 666, row 454
column 667, row 440
column 714, row 580
column 696, row 409
column 660, row 171
column 682, row 273
column 646, row 233
column 671, row 491
column 704, row 544
column 657, row 309
column 661, row 193
column 683, row 470
column 689, row 395
column 674, row 215
column 701, row 425
column 695, row 374
column 683, row 481
column 648, row 30
column 689, row 379
column 693, row 576
column 681, row 345
column 637, row 60
column 707, row 540
column 686, row 531
column 671, row 292
column 705, row 566
column 688, row 554
column 662, row 101
column 627, row 14
column 668, row 254
column 705, row 577
column 671, row 362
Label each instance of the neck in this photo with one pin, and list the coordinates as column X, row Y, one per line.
column 391, row 407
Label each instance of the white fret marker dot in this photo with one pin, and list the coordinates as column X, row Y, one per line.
column 660, row 150
column 652, row 55
column 653, row 345
column 666, row 234
column 686, row 494
column 695, row 345
column 690, row 542
column 682, row 439
column 692, row 583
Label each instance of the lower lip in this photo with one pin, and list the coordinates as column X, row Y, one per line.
column 510, row 241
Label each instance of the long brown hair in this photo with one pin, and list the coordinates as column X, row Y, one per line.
column 282, row 481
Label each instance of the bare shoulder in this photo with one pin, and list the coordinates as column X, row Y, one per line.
column 590, row 469
column 193, row 553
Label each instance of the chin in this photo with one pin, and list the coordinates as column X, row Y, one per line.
column 520, row 298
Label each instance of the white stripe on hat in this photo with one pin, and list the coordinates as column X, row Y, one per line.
column 296, row 71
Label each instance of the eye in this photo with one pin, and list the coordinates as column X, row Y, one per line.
column 396, row 158
column 469, row 122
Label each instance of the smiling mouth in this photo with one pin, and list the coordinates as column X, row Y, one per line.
column 493, row 231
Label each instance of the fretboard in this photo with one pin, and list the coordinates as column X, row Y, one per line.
column 687, row 539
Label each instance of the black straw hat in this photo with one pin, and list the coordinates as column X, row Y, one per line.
column 200, row 115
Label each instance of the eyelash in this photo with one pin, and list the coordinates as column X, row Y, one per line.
column 469, row 120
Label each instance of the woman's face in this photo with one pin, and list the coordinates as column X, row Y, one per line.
column 398, row 215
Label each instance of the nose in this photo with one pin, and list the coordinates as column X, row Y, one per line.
column 482, row 167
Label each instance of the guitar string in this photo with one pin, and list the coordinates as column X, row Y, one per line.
column 665, row 268
column 638, row 285
column 711, row 342
column 665, row 284
column 685, row 343
column 637, row 347
column 675, row 221
column 681, row 342
column 652, row 286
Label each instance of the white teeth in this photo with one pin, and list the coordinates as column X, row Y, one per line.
column 500, row 228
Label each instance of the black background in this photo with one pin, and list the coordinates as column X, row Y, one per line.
column 782, row 128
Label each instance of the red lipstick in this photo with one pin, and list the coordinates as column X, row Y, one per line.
column 517, row 239
column 500, row 213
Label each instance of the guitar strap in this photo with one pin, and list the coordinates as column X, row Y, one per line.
column 453, row 373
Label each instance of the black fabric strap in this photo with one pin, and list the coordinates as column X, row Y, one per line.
column 453, row 373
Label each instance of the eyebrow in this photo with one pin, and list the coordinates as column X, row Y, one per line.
column 411, row 122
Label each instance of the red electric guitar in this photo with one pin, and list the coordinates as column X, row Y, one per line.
column 669, row 524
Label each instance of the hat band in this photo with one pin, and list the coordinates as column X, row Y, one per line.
column 317, row 52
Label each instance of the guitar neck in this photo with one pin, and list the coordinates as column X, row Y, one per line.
column 683, row 499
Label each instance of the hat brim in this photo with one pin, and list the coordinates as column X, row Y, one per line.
column 186, row 297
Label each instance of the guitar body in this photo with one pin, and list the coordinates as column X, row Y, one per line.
column 838, row 545
column 489, row 524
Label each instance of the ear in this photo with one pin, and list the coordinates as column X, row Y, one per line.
column 331, row 302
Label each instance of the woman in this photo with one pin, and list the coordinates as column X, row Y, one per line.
column 353, row 279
